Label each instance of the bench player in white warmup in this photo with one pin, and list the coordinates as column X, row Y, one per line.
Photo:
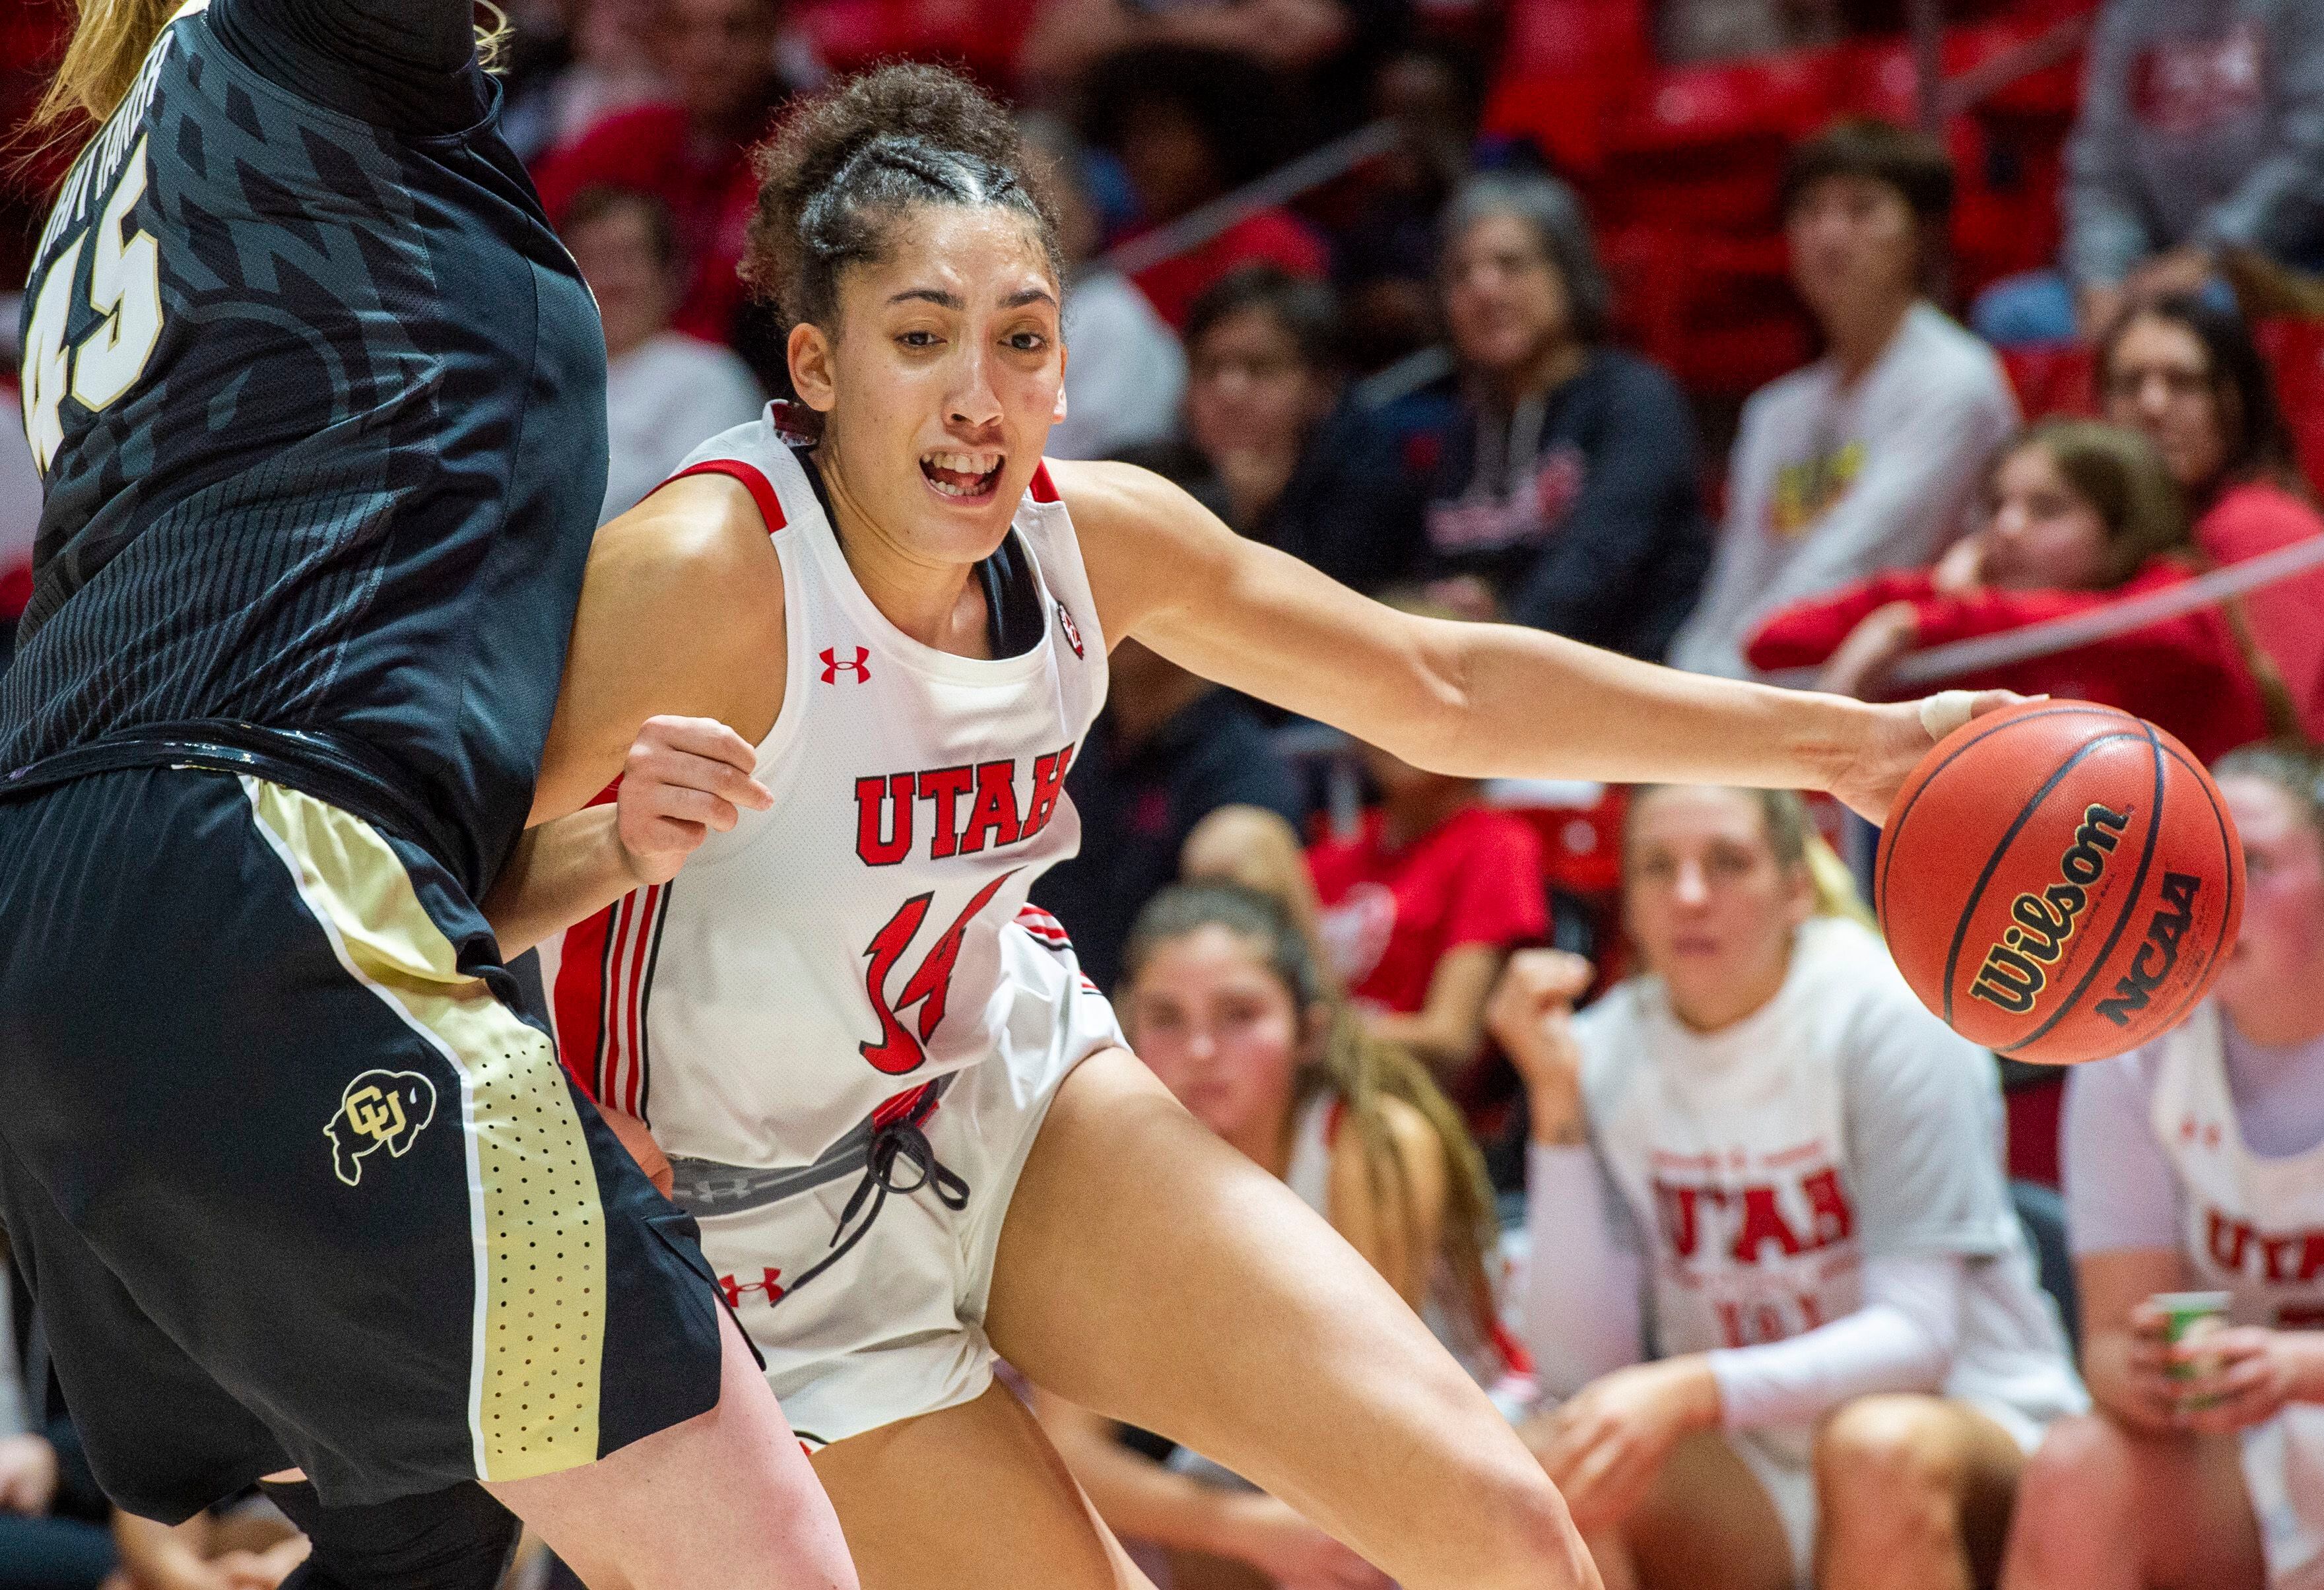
column 910, row 1130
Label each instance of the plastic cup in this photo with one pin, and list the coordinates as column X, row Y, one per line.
column 2191, row 1317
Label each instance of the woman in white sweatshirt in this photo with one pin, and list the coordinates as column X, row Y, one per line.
column 1773, row 1273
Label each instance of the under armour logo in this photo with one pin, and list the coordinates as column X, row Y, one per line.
column 379, row 1109
column 833, row 666
column 771, row 1286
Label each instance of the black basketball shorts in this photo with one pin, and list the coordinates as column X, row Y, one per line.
column 293, row 1181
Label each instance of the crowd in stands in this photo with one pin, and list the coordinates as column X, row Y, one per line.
column 1770, row 1312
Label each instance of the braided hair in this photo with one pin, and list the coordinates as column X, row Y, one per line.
column 835, row 176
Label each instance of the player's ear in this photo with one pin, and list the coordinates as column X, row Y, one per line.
column 1057, row 414
column 809, row 352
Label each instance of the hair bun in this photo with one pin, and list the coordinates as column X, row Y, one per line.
column 876, row 141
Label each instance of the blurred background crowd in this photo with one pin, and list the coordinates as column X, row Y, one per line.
column 1799, row 340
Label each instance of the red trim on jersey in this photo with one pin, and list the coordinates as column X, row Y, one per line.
column 1042, row 926
column 906, row 1106
column 579, row 996
column 761, row 490
column 1043, row 488
column 602, row 983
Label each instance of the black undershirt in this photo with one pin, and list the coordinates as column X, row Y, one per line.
column 408, row 65
column 1013, row 621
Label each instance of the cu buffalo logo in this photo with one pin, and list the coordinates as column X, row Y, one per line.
column 380, row 1109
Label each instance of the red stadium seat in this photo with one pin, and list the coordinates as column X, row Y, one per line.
column 2060, row 378
column 2296, row 350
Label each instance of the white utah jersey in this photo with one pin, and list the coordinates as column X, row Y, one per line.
column 2253, row 1224
column 869, row 933
column 1763, row 1163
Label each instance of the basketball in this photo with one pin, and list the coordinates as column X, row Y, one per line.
column 2059, row 882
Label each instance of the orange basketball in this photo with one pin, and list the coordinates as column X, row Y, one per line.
column 2059, row 880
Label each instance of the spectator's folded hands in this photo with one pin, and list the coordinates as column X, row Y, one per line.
column 1604, row 1447
column 1861, row 666
column 28, row 1474
column 2243, row 1375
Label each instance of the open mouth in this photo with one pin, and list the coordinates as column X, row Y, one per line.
column 964, row 477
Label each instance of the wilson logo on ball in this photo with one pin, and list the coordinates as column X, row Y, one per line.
column 2013, row 974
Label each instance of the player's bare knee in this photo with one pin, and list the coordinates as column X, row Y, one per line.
column 1884, row 1462
column 1530, row 1540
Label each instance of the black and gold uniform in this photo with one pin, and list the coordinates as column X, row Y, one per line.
column 318, row 401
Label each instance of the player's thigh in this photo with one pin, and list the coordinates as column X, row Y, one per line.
column 1708, row 1524
column 970, row 1498
column 1151, row 1272
column 724, row 1498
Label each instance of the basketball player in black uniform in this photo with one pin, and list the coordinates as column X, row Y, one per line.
column 318, row 404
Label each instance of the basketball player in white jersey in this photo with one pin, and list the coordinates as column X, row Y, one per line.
column 908, row 1128
column 1761, row 1165
column 2197, row 1164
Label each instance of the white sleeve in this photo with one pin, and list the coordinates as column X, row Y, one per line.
column 1582, row 1307
column 1901, row 1340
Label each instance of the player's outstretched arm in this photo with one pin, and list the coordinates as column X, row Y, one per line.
column 1469, row 700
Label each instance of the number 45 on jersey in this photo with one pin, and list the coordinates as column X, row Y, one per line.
column 124, row 287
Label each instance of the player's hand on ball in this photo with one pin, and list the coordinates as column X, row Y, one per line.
column 684, row 780
column 1897, row 735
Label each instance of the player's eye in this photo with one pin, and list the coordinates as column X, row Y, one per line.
column 1027, row 342
column 918, row 339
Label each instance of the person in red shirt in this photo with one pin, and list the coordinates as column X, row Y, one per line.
column 1423, row 903
column 692, row 151
column 2186, row 372
column 1189, row 124
column 2083, row 516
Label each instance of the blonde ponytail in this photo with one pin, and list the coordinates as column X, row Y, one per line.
column 109, row 43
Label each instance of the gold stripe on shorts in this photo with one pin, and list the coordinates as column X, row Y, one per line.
column 539, row 1229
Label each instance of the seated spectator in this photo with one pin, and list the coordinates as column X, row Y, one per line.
column 1422, row 906
column 2198, row 1163
column 591, row 62
column 2083, row 516
column 666, row 392
column 51, row 1533
column 1189, row 124
column 2201, row 136
column 1569, row 496
column 1865, row 459
column 1125, row 373
column 1170, row 750
column 1275, row 445
column 2187, row 374
column 726, row 75
column 1385, row 253
column 1069, row 39
column 1223, row 998
column 1764, row 1145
